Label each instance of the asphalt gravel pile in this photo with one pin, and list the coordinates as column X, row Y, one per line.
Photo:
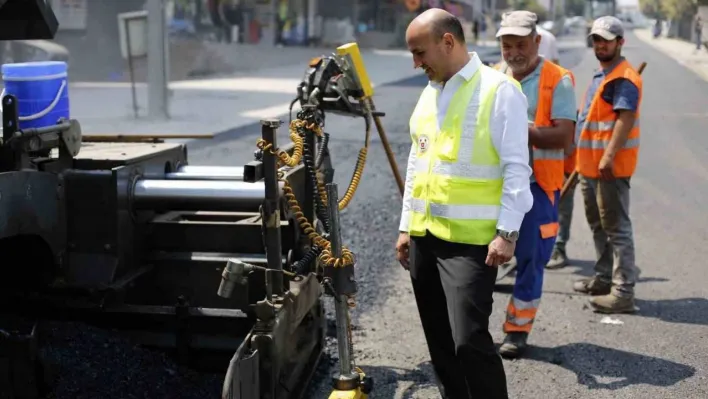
column 91, row 363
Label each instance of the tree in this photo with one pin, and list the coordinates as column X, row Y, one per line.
column 676, row 9
column 531, row 5
column 652, row 8
column 670, row 9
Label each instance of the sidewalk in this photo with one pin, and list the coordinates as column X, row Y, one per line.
column 683, row 52
column 213, row 106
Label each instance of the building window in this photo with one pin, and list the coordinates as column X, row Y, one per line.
column 71, row 14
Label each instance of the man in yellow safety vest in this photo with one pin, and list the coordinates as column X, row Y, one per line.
column 467, row 191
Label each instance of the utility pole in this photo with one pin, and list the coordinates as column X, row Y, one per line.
column 158, row 61
column 355, row 17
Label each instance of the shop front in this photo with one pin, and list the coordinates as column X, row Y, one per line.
column 383, row 22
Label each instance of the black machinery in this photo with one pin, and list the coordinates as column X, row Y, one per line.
column 129, row 235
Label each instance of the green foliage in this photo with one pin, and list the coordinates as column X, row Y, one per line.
column 652, row 8
column 670, row 9
column 530, row 5
column 678, row 8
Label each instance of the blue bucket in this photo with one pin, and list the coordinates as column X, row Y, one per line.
column 42, row 91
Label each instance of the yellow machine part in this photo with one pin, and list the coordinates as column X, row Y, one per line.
column 354, row 394
column 358, row 393
column 352, row 51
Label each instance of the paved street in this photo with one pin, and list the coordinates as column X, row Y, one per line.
column 660, row 352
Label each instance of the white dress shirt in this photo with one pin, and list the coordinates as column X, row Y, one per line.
column 548, row 48
column 510, row 134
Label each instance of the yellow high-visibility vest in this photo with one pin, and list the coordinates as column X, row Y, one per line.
column 283, row 10
column 457, row 185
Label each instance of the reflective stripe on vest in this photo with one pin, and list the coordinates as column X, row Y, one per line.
column 457, row 186
column 599, row 127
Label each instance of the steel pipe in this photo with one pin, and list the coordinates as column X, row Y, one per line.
column 204, row 195
column 194, row 172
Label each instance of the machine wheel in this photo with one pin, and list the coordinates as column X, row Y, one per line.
column 367, row 385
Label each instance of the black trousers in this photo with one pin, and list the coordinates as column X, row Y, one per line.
column 453, row 288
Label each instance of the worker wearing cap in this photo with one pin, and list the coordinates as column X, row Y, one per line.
column 467, row 191
column 548, row 48
column 551, row 112
column 608, row 146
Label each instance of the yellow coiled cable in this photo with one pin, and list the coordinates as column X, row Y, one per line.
column 284, row 157
column 326, row 256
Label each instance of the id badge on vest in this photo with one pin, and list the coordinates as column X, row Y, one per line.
column 424, row 138
column 423, row 143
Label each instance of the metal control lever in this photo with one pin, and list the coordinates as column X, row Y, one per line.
column 347, row 379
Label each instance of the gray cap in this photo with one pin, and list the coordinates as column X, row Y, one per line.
column 517, row 23
column 608, row 28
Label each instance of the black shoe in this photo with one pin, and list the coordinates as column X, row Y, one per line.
column 514, row 345
column 558, row 260
column 592, row 286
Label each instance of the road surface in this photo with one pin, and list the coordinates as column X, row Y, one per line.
column 661, row 352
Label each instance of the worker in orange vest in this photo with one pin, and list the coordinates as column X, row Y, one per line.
column 608, row 146
column 550, row 94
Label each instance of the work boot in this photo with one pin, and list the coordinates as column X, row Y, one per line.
column 612, row 303
column 592, row 286
column 514, row 345
column 558, row 259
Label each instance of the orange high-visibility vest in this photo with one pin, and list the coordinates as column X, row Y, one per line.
column 598, row 128
column 570, row 161
column 549, row 164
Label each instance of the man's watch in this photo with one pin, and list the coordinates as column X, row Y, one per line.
column 510, row 236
